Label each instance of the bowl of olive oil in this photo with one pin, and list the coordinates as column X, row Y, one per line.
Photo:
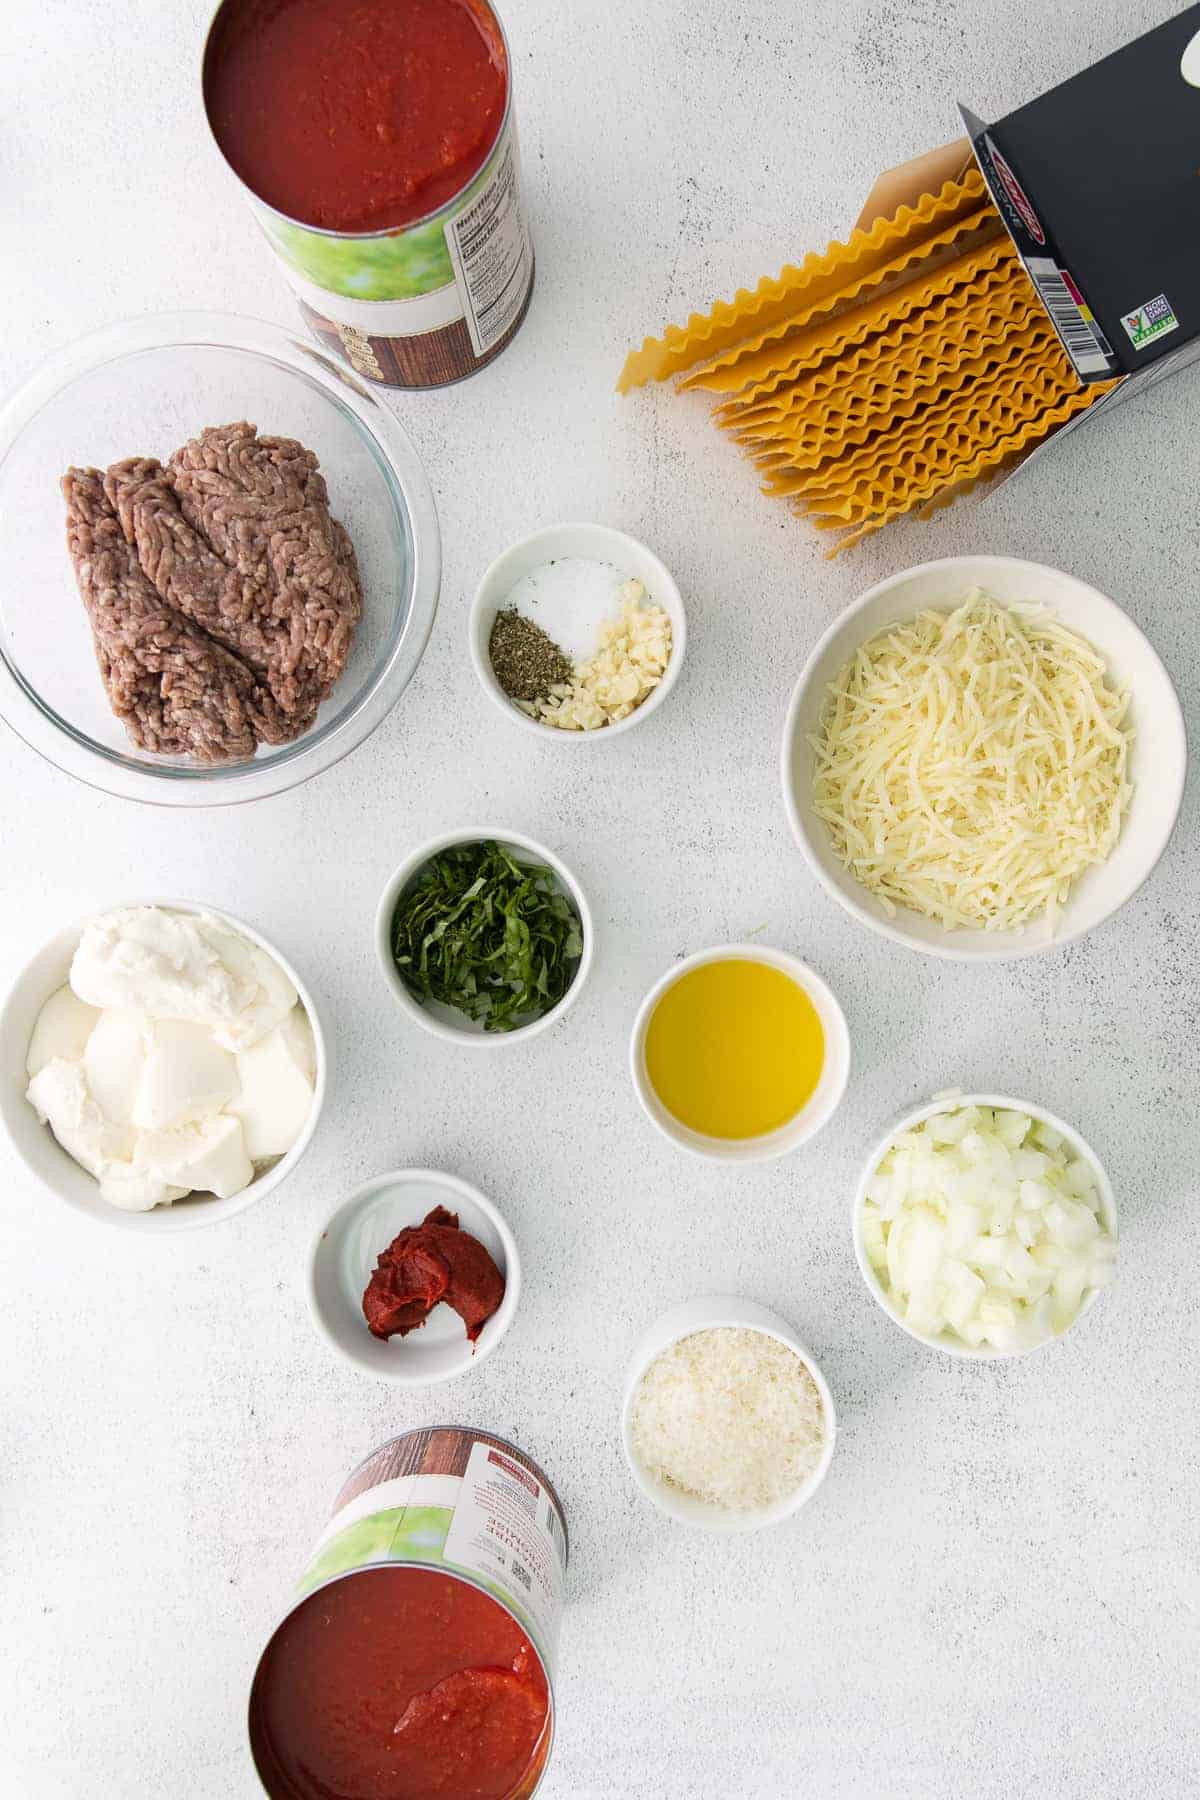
column 740, row 1053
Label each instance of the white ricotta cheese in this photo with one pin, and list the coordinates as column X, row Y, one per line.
column 177, row 1058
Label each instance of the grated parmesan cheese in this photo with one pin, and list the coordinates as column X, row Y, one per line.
column 730, row 1416
column 971, row 765
column 630, row 661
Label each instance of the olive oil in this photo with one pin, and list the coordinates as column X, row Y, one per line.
column 734, row 1048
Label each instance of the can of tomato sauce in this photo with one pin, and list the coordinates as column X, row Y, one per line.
column 418, row 1656
column 376, row 143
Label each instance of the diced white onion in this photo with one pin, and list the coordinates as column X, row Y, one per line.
column 981, row 1223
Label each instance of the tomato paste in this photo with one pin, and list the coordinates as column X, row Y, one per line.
column 356, row 115
column 427, row 1263
column 399, row 1684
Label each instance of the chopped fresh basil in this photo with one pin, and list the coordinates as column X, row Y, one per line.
column 493, row 937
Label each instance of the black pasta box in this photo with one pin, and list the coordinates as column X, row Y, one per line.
column 1098, row 184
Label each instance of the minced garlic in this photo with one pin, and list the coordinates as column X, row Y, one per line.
column 630, row 661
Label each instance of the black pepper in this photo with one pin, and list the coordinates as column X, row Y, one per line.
column 526, row 662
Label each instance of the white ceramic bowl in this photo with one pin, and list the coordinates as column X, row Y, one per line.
column 444, row 1021
column 681, row 1322
column 36, row 1145
column 344, row 1256
column 817, row 1110
column 952, row 1345
column 1158, row 762
column 604, row 544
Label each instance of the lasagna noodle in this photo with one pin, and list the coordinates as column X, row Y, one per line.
column 773, row 300
column 728, row 372
column 890, row 375
column 865, row 358
column 836, row 427
column 933, row 361
column 983, row 462
column 917, row 436
column 797, row 348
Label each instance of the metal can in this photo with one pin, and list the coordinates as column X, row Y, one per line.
column 426, row 303
column 460, row 1503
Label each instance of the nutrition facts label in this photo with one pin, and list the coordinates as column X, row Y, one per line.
column 505, row 1528
column 492, row 254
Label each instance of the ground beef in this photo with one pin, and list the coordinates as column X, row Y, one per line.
column 252, row 587
column 175, row 691
column 263, row 506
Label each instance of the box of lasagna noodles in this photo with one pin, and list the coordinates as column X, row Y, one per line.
column 1098, row 185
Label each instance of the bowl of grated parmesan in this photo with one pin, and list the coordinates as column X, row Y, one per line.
column 728, row 1424
column 963, row 758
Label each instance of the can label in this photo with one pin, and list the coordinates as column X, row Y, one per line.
column 492, row 254
column 497, row 1521
column 428, row 304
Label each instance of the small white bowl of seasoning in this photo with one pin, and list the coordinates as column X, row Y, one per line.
column 587, row 592
column 436, row 1015
column 740, row 1053
column 727, row 1424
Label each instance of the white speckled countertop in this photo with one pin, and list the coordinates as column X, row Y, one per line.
column 995, row 1594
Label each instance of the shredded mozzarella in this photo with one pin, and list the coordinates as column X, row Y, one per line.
column 971, row 765
column 730, row 1416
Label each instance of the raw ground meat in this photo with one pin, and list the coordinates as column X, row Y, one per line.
column 175, row 691
column 263, row 506
column 261, row 503
column 196, row 584
column 252, row 586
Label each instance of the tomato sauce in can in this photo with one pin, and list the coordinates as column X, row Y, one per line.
column 418, row 1658
column 375, row 140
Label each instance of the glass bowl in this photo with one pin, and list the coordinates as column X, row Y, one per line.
column 142, row 388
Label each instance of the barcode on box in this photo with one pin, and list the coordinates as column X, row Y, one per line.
column 521, row 1574
column 554, row 1527
column 1082, row 338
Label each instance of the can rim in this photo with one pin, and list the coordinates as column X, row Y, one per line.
column 491, row 1437
column 547, row 1734
column 359, row 237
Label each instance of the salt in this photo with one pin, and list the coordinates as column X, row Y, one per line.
column 570, row 598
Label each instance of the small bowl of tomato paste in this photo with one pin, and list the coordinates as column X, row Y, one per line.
column 415, row 1279
column 418, row 1659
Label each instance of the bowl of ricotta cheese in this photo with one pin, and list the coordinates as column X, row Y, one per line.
column 163, row 1066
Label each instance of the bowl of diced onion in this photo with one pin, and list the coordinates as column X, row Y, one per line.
column 983, row 1226
column 983, row 758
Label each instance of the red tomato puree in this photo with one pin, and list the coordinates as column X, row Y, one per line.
column 356, row 115
column 398, row 1684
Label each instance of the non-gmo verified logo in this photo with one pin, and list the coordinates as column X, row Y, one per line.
column 1153, row 320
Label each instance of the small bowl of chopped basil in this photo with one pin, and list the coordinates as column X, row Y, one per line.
column 484, row 937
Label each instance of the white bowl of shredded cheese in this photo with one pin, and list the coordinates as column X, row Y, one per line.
column 628, row 649
column 727, row 1424
column 1078, row 813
